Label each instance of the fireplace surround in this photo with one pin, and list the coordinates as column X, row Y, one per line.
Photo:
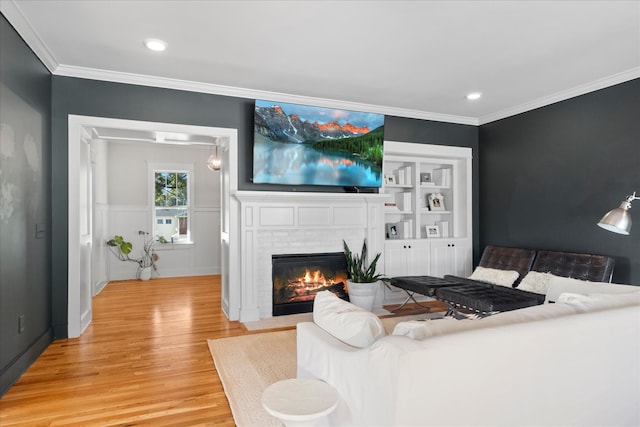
column 279, row 223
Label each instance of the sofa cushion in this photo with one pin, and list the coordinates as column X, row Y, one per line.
column 536, row 281
column 559, row 285
column 495, row 276
column 420, row 330
column 345, row 321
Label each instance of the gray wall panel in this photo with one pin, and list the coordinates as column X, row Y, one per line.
column 548, row 175
column 25, row 272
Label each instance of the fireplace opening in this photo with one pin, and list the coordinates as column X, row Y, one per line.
column 298, row 278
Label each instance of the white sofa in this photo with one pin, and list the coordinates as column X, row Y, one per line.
column 575, row 362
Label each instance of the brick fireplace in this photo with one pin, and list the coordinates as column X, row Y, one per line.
column 275, row 223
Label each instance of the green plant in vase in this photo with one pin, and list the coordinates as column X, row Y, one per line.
column 146, row 262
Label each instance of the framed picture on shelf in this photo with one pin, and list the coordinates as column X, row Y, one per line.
column 426, row 179
column 392, row 230
column 436, row 202
column 389, row 179
column 432, row 231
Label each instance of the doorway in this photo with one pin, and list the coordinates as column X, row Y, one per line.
column 80, row 212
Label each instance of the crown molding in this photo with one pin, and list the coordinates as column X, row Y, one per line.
column 615, row 79
column 14, row 15
column 191, row 86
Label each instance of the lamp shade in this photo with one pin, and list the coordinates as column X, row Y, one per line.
column 617, row 220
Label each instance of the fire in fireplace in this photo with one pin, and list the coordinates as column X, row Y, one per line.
column 298, row 278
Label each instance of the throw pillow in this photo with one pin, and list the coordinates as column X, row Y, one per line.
column 536, row 281
column 495, row 276
column 345, row 321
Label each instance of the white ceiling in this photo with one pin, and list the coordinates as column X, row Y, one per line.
column 407, row 58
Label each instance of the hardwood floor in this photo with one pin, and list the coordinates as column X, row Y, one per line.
column 143, row 360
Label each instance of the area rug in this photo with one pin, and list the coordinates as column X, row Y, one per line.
column 248, row 364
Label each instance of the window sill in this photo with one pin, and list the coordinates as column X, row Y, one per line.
column 172, row 246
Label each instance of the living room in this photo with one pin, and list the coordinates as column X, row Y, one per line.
column 541, row 178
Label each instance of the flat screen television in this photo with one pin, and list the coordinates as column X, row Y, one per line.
column 306, row 145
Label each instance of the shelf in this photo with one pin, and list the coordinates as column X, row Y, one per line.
column 398, row 186
column 426, row 211
column 396, row 212
column 434, row 187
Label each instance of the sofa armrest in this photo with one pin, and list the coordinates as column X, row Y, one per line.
column 559, row 285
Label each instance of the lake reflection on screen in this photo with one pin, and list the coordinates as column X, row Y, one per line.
column 297, row 164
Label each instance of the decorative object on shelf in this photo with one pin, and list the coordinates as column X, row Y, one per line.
column 444, row 228
column 146, row 263
column 213, row 162
column 436, row 202
column 432, row 231
column 442, row 177
column 364, row 280
column 426, row 179
column 618, row 220
column 389, row 179
column 392, row 230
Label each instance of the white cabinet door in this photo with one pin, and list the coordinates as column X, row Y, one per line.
column 406, row 258
column 450, row 257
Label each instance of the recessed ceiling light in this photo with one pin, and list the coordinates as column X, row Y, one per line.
column 473, row 96
column 156, row 45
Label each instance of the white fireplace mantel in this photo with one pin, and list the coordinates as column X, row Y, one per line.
column 275, row 223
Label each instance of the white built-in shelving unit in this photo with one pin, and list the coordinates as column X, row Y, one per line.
column 424, row 239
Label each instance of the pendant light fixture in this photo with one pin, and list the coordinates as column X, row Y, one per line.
column 213, row 162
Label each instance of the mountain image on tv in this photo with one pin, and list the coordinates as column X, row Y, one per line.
column 306, row 145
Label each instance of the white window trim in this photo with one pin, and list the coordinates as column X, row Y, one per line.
column 152, row 168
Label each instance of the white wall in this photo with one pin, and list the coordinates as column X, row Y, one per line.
column 130, row 208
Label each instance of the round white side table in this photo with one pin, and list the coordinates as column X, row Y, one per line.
column 299, row 402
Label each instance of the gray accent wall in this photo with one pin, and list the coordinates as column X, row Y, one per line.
column 547, row 176
column 25, row 211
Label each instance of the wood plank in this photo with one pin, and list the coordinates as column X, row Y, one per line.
column 143, row 360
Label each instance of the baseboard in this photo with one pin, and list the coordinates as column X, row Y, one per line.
column 18, row 366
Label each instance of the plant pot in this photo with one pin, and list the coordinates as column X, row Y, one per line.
column 144, row 273
column 363, row 295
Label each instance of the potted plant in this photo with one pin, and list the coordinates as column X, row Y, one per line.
column 364, row 280
column 146, row 263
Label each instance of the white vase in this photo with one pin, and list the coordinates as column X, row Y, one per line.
column 144, row 273
column 363, row 294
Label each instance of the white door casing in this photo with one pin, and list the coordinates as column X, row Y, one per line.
column 77, row 265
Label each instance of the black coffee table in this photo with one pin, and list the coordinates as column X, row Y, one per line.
column 423, row 285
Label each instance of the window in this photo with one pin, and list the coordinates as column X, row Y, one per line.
column 171, row 202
